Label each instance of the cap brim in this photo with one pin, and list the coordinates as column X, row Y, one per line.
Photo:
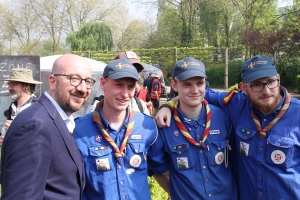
column 119, row 75
column 265, row 72
column 22, row 81
column 139, row 67
column 191, row 73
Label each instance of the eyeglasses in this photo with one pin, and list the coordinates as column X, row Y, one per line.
column 12, row 85
column 76, row 80
column 257, row 87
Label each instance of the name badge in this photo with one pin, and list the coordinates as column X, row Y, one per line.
column 136, row 137
column 214, row 132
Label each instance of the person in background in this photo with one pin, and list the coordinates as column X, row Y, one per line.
column 40, row 159
column 155, row 92
column 192, row 152
column 143, row 94
column 172, row 93
column 114, row 139
column 21, row 87
column 147, row 81
column 265, row 125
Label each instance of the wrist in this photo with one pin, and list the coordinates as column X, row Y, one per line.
column 166, row 105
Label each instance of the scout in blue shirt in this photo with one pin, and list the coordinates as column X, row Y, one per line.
column 114, row 139
column 190, row 158
column 265, row 119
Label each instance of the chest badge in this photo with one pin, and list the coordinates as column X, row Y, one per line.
column 176, row 133
column 244, row 148
column 182, row 163
column 102, row 164
column 278, row 157
column 135, row 161
column 98, row 138
column 219, row 158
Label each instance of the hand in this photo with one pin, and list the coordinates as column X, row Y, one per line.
column 7, row 124
column 163, row 117
column 1, row 140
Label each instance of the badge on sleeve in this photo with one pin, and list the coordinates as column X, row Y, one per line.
column 102, row 164
column 135, row 161
column 182, row 163
column 219, row 158
column 244, row 148
column 278, row 157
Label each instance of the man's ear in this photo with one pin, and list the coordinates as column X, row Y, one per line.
column 243, row 87
column 52, row 82
column 174, row 85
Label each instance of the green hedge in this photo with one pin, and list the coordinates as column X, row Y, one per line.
column 288, row 70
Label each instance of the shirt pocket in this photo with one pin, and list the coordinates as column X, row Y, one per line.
column 217, row 152
column 100, row 158
column 279, row 150
column 180, row 156
column 135, row 156
column 245, row 137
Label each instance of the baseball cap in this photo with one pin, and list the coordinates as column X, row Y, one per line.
column 187, row 68
column 133, row 58
column 120, row 68
column 258, row 67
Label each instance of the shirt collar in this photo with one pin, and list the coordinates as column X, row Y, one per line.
column 69, row 121
column 106, row 124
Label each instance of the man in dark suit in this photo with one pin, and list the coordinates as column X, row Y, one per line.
column 40, row 159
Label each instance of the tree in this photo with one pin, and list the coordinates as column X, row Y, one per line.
column 92, row 37
column 20, row 24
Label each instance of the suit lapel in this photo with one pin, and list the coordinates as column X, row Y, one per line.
column 66, row 135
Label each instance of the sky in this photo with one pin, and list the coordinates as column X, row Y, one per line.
column 284, row 3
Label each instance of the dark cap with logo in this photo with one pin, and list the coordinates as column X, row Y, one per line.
column 133, row 58
column 187, row 68
column 258, row 67
column 120, row 68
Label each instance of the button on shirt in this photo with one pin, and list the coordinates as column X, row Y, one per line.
column 266, row 168
column 195, row 172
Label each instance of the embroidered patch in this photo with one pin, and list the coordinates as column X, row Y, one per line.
column 182, row 163
column 278, row 157
column 98, row 138
column 102, row 164
column 246, row 131
column 100, row 148
column 136, row 137
column 176, row 133
column 181, row 146
column 214, row 132
column 244, row 148
column 219, row 158
column 135, row 161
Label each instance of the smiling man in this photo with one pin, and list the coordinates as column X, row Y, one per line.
column 114, row 139
column 40, row 159
column 192, row 151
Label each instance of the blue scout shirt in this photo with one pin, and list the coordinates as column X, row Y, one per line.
column 195, row 172
column 105, row 177
column 267, row 168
